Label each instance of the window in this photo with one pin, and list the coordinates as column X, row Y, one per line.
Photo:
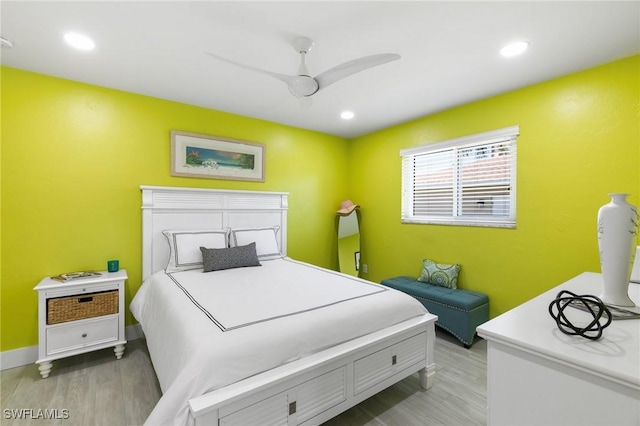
column 465, row 181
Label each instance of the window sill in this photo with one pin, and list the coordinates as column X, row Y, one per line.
column 470, row 222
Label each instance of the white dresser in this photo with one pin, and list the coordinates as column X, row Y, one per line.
column 537, row 375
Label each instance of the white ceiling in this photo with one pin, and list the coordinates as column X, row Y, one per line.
column 449, row 51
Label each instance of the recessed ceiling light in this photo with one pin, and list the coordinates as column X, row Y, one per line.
column 79, row 41
column 347, row 115
column 514, row 49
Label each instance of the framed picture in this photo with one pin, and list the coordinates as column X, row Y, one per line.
column 202, row 156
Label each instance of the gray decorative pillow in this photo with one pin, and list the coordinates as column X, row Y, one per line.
column 228, row 258
column 439, row 274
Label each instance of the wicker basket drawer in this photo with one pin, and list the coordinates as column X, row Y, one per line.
column 72, row 308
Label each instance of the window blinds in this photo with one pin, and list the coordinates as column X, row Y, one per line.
column 467, row 181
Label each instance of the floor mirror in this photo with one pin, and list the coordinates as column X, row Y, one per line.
column 349, row 242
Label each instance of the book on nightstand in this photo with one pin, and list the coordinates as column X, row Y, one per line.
column 69, row 276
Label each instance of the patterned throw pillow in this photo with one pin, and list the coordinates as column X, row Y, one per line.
column 439, row 274
column 228, row 258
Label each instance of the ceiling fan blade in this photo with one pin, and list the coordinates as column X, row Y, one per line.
column 349, row 68
column 287, row 79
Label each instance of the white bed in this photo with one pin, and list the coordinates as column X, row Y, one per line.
column 281, row 343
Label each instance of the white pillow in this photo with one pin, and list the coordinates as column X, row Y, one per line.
column 265, row 239
column 184, row 247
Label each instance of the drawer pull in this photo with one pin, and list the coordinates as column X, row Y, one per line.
column 84, row 334
column 292, row 408
column 85, row 299
column 393, row 360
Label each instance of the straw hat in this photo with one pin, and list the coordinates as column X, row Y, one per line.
column 346, row 207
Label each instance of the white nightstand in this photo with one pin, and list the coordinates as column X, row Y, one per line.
column 79, row 316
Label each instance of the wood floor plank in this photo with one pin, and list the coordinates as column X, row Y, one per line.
column 22, row 399
column 108, row 384
column 9, row 383
column 140, row 388
column 97, row 389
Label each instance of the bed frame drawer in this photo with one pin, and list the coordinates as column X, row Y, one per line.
column 317, row 395
column 295, row 406
column 268, row 412
column 380, row 365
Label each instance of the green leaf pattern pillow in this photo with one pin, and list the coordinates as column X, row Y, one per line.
column 439, row 274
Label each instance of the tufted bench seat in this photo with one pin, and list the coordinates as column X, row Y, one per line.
column 459, row 311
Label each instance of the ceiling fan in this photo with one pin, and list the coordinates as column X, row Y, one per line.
column 302, row 85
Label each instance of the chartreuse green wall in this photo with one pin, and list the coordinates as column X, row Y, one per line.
column 75, row 155
column 579, row 140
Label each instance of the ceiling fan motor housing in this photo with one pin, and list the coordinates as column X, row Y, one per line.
column 303, row 85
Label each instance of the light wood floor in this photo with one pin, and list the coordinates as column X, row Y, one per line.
column 98, row 390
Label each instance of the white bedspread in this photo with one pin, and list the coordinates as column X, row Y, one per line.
column 208, row 330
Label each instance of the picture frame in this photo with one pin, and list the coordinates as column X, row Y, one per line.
column 213, row 157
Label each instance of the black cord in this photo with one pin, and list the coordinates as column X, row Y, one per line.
column 589, row 303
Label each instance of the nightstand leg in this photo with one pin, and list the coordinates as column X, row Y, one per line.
column 119, row 350
column 45, row 369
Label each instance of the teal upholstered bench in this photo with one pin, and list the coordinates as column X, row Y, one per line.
column 459, row 311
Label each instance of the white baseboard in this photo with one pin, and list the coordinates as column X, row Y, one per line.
column 18, row 357
column 29, row 355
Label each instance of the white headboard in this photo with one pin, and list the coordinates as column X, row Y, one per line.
column 197, row 208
